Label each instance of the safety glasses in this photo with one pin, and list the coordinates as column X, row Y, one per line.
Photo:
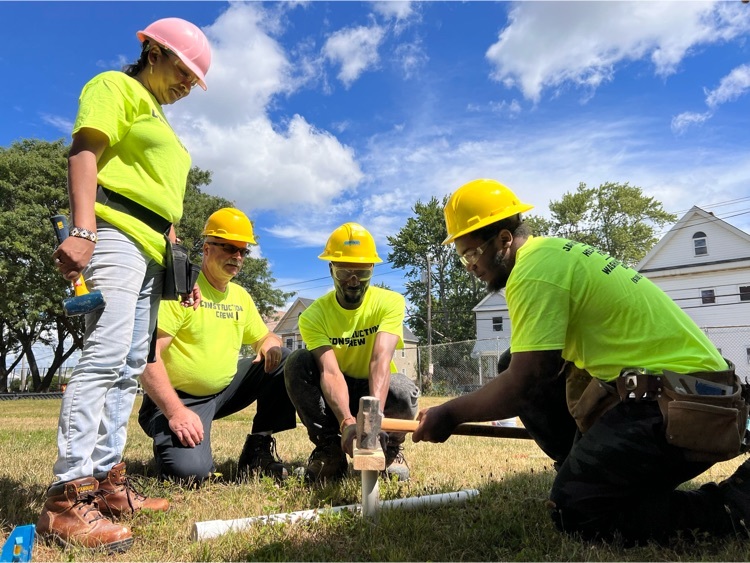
column 471, row 257
column 230, row 248
column 345, row 274
column 185, row 75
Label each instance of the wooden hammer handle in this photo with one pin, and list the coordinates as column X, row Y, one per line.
column 486, row 430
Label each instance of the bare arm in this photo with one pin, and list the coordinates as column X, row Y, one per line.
column 332, row 383
column 268, row 349
column 185, row 424
column 500, row 398
column 87, row 148
column 380, row 365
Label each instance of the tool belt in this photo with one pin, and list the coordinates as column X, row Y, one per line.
column 710, row 427
column 588, row 398
column 180, row 274
column 125, row 205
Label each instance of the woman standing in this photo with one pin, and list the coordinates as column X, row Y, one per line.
column 127, row 173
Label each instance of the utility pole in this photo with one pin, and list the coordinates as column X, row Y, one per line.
column 429, row 317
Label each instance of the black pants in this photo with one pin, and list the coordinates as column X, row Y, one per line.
column 275, row 413
column 303, row 385
column 620, row 477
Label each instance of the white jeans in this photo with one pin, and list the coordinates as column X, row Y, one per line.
column 99, row 398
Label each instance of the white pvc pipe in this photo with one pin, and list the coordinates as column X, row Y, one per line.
column 370, row 494
column 215, row 528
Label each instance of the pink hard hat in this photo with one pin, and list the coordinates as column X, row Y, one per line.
column 186, row 40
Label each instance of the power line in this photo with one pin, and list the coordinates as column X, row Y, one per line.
column 328, row 278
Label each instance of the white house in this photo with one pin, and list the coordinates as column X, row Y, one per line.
column 287, row 327
column 702, row 263
column 493, row 332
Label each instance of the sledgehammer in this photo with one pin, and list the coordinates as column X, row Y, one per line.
column 84, row 301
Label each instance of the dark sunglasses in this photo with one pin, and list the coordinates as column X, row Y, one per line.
column 230, row 248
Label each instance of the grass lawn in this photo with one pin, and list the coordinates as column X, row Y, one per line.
column 507, row 521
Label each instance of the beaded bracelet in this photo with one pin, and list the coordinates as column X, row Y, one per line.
column 78, row 232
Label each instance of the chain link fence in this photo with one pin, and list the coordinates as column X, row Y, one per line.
column 461, row 367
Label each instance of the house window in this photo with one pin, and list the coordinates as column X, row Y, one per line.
column 747, row 352
column 403, row 353
column 290, row 343
column 700, row 244
column 745, row 293
column 497, row 324
column 299, row 345
column 708, row 296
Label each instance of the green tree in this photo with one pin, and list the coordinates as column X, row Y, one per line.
column 33, row 186
column 615, row 217
column 454, row 292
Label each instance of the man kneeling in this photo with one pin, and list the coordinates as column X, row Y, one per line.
column 196, row 378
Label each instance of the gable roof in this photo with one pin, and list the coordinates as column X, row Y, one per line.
column 409, row 335
column 493, row 301
column 695, row 219
column 291, row 314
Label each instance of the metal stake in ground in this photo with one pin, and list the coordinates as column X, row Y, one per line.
column 368, row 453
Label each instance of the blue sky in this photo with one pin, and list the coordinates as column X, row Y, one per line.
column 318, row 113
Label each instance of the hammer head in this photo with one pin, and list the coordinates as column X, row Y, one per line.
column 369, row 419
column 83, row 304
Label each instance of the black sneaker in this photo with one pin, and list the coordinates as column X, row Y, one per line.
column 259, row 457
column 327, row 461
column 395, row 462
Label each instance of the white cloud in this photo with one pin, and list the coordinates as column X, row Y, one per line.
column 731, row 87
column 547, row 45
column 394, row 9
column 257, row 163
column 410, row 57
column 60, row 123
column 681, row 122
column 267, row 167
column 355, row 49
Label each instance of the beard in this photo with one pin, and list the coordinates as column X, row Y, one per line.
column 501, row 268
column 350, row 295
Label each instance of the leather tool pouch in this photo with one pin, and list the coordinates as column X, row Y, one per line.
column 588, row 398
column 180, row 275
column 710, row 428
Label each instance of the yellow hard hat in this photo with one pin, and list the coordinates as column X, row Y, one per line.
column 229, row 223
column 478, row 204
column 351, row 243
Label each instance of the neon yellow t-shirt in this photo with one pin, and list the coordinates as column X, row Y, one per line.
column 145, row 161
column 604, row 316
column 202, row 358
column 351, row 334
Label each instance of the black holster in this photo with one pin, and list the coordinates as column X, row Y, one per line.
column 180, row 275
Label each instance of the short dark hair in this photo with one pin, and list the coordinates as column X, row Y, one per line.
column 515, row 224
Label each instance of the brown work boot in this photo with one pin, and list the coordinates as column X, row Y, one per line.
column 327, row 461
column 71, row 516
column 118, row 496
